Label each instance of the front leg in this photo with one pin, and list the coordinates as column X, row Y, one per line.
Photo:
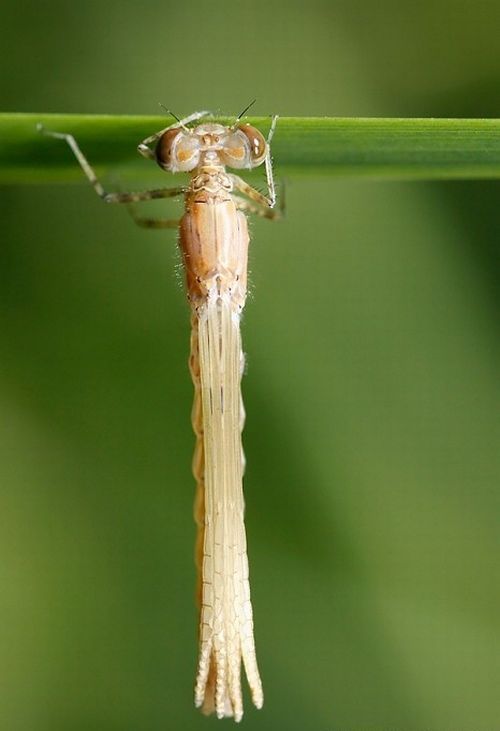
column 243, row 187
column 134, row 197
column 258, row 204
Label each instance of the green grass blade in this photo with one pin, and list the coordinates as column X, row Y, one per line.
column 381, row 148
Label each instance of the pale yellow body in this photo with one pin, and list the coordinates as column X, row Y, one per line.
column 214, row 242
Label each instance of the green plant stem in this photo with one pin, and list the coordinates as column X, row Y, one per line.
column 407, row 149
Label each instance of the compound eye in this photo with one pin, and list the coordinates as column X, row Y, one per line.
column 165, row 147
column 236, row 152
column 177, row 151
column 244, row 148
column 257, row 143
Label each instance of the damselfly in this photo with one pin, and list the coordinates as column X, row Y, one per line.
column 214, row 243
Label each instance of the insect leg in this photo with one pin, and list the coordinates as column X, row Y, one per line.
column 143, row 195
column 271, row 192
column 146, row 222
column 243, row 187
column 259, row 210
column 259, row 198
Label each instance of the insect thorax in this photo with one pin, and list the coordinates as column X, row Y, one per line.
column 212, row 179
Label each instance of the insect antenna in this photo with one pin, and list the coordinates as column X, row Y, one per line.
column 169, row 111
column 240, row 115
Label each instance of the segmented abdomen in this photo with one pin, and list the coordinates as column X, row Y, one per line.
column 215, row 258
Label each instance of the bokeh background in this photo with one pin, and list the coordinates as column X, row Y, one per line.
column 371, row 392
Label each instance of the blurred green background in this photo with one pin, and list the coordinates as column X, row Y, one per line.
column 371, row 392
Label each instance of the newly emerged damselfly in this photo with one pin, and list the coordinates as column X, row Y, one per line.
column 214, row 244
